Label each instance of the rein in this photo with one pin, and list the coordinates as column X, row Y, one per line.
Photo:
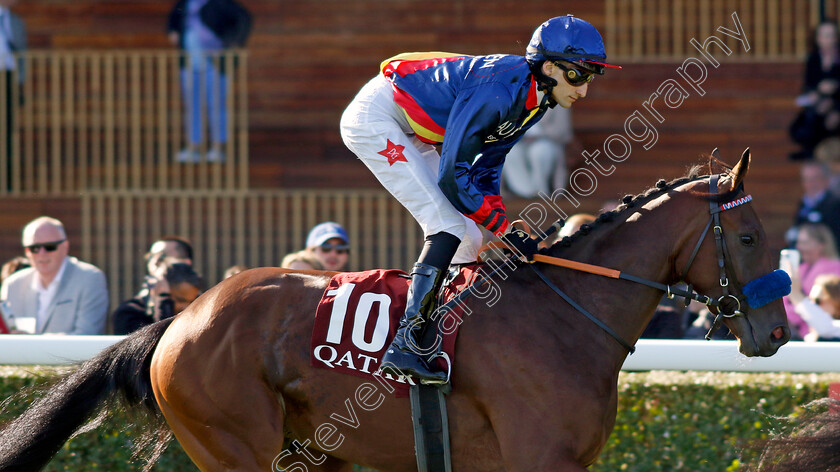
column 670, row 290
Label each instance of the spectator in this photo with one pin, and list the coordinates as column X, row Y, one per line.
column 573, row 224
column 301, row 260
column 818, row 204
column 204, row 29
column 701, row 325
column 12, row 43
column 609, row 205
column 828, row 152
column 668, row 322
column 537, row 163
column 329, row 243
column 13, row 265
column 176, row 286
column 821, row 309
column 10, row 267
column 820, row 114
column 58, row 294
column 570, row 227
column 818, row 253
column 168, row 248
column 233, row 270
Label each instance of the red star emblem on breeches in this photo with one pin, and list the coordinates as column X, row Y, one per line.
column 394, row 153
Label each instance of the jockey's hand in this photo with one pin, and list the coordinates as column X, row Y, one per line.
column 522, row 243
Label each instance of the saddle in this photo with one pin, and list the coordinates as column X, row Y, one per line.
column 356, row 320
column 359, row 313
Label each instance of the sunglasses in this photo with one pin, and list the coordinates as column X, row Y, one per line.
column 339, row 248
column 575, row 76
column 50, row 246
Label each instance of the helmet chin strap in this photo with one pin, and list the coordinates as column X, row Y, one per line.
column 546, row 85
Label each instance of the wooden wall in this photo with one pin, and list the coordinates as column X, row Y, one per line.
column 309, row 57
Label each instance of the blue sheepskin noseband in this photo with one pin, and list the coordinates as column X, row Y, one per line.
column 767, row 288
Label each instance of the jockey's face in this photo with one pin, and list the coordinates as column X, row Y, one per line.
column 565, row 92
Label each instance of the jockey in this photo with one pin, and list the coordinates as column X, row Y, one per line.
column 434, row 128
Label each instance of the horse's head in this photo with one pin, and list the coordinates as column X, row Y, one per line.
column 728, row 259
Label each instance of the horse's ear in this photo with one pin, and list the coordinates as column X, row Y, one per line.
column 740, row 169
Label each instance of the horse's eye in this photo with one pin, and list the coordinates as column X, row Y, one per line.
column 747, row 240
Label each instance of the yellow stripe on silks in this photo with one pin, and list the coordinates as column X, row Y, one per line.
column 417, row 56
column 425, row 134
column 528, row 118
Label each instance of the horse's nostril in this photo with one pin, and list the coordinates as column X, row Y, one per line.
column 777, row 333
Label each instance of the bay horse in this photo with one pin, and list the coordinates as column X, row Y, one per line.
column 534, row 386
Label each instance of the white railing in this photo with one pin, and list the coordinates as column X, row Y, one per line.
column 51, row 349
column 651, row 354
column 684, row 354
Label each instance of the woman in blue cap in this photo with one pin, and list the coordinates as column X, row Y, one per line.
column 434, row 128
column 329, row 243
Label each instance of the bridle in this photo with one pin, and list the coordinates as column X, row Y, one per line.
column 728, row 305
column 732, row 293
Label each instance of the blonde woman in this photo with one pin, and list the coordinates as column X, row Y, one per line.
column 301, row 260
column 821, row 309
column 818, row 251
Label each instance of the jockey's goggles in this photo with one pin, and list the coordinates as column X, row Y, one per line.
column 574, row 76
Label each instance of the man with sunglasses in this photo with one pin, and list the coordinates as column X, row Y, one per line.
column 58, row 294
column 435, row 127
column 329, row 243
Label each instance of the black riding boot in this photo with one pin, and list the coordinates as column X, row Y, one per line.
column 400, row 358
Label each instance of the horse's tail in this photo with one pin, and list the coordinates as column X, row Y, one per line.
column 30, row 441
column 812, row 445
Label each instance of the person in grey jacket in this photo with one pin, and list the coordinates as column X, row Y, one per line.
column 58, row 294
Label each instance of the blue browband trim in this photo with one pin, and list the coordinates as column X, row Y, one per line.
column 767, row 288
column 734, row 203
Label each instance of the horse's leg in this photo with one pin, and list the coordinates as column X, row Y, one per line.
column 220, row 409
column 215, row 450
column 212, row 441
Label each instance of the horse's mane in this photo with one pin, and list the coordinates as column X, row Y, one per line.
column 695, row 172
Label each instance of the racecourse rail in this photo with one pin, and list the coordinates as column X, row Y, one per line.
column 651, row 354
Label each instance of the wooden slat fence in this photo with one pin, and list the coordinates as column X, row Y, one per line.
column 253, row 228
column 114, row 120
column 660, row 30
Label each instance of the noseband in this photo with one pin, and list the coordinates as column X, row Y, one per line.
column 729, row 304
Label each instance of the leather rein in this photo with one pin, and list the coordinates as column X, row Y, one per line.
column 727, row 305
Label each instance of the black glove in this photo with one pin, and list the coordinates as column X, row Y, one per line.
column 522, row 243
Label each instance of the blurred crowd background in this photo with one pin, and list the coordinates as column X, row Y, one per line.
column 130, row 122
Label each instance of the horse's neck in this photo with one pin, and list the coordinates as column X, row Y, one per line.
column 640, row 243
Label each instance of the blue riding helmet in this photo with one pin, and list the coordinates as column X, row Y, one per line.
column 570, row 39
